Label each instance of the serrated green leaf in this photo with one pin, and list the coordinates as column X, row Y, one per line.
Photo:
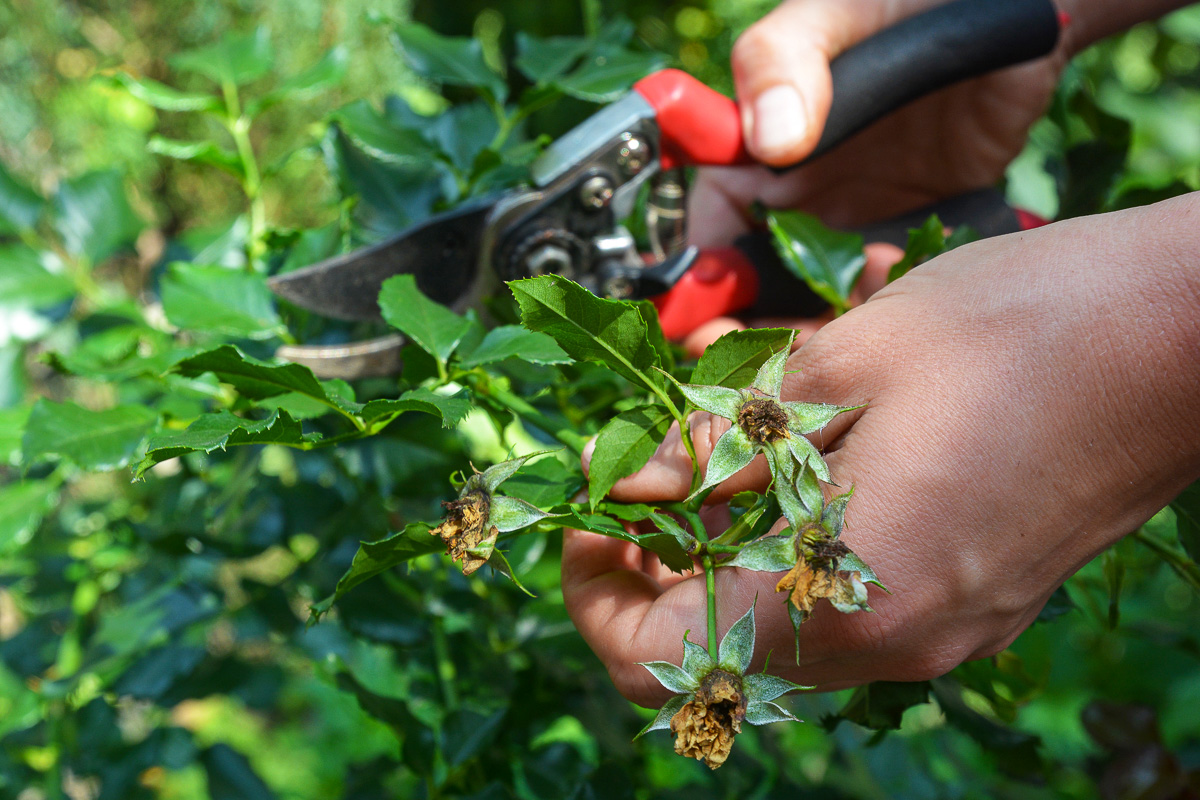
column 164, row 97
column 510, row 514
column 763, row 688
column 95, row 440
column 513, row 341
column 765, row 713
column 22, row 507
column 435, row 328
column 230, row 302
column 662, row 720
column 587, row 327
column 664, row 545
column 24, row 281
column 452, row 410
column 733, row 452
column 220, row 430
column 924, row 243
column 768, row 554
column 93, row 215
column 1187, row 519
column 734, row 359
column 20, row 205
column 829, row 261
column 623, row 446
column 713, row 399
column 206, row 153
column 605, row 77
column 253, row 378
column 236, row 58
column 302, row 407
column 456, row 60
column 672, row 677
column 373, row 558
column 654, row 332
column 380, row 138
column 737, row 648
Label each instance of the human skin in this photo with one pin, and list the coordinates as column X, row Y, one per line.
column 1031, row 398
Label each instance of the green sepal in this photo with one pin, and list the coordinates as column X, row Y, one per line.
column 510, row 514
column 763, row 688
column 733, row 452
column 662, row 720
column 768, row 554
column 737, row 648
column 769, row 379
column 852, row 563
column 764, row 713
column 672, row 677
column 696, row 660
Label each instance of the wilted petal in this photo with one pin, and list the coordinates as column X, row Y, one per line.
column 510, row 514
column 850, row 594
column 705, row 726
column 713, row 399
column 732, row 453
column 465, row 530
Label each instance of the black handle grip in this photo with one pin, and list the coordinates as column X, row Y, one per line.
column 951, row 43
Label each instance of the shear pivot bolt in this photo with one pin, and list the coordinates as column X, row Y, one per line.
column 596, row 193
column 633, row 155
column 547, row 259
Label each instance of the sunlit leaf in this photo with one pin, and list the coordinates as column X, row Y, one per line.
column 220, row 430
column 22, row 507
column 93, row 216
column 624, row 446
column 96, row 440
column 829, row 261
column 206, row 153
column 452, row 410
column 431, row 325
column 164, row 97
column 231, row 302
column 768, row 554
column 735, row 358
column 513, row 341
column 236, row 58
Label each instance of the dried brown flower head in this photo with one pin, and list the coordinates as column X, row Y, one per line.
column 466, row 529
column 809, row 581
column 763, row 420
column 704, row 728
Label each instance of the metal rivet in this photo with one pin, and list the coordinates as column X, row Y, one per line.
column 596, row 192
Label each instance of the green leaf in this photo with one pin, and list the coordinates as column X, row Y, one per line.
column 765, row 713
column 658, row 339
column 322, row 75
column 513, row 341
column 763, row 688
column 510, row 514
column 380, row 138
column 543, row 59
column 206, row 153
column 95, row 440
column 456, row 60
column 1014, row 751
column 624, row 446
column 253, row 378
column 373, row 558
column 662, row 720
column 24, row 281
column 734, row 359
column 737, row 648
column 880, row 705
column 768, row 554
column 230, row 302
column 588, row 328
column 12, row 426
column 829, row 261
column 93, row 216
column 546, row 483
column 733, row 452
column 605, row 77
column 220, row 430
column 20, row 205
column 664, row 545
column 714, row 399
column 1187, row 519
column 164, row 97
column 22, row 507
column 236, row 58
column 672, row 677
column 924, row 243
column 852, row 563
column 667, row 525
column 435, row 328
column 452, row 410
column 231, row 777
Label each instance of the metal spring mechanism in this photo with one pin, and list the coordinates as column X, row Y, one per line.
column 666, row 214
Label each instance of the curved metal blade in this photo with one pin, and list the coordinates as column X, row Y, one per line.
column 373, row 358
column 442, row 253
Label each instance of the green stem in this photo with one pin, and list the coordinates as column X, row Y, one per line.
column 710, row 587
column 1183, row 566
column 481, row 384
column 238, row 126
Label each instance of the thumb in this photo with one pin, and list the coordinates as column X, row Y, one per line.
column 667, row 476
column 781, row 69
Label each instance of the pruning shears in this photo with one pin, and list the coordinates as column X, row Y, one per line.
column 569, row 221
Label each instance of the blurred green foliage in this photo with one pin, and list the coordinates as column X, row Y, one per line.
column 152, row 635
